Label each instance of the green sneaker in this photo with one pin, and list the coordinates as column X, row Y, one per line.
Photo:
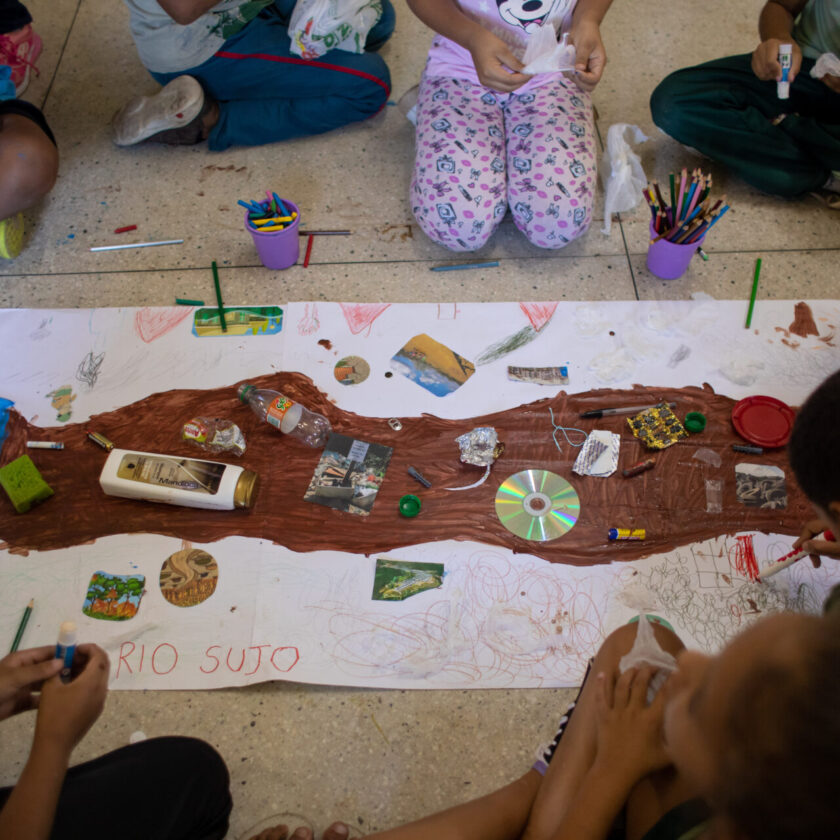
column 11, row 236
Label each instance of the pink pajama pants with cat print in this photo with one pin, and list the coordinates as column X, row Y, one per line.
column 479, row 151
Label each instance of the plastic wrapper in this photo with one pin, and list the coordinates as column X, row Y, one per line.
column 647, row 652
column 599, row 455
column 657, row 427
column 827, row 65
column 544, row 54
column 214, row 434
column 317, row 26
column 621, row 171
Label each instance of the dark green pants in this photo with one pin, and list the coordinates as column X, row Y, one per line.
column 722, row 110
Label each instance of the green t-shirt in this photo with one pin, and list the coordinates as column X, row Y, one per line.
column 817, row 29
column 167, row 47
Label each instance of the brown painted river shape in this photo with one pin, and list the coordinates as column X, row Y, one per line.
column 668, row 501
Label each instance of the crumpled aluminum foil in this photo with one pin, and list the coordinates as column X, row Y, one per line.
column 480, row 447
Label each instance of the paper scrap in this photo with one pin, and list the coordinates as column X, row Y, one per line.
column 760, row 485
column 396, row 580
column 539, row 375
column 599, row 455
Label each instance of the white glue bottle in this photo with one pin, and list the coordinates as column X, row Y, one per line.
column 288, row 416
column 173, row 480
column 65, row 649
column 785, row 60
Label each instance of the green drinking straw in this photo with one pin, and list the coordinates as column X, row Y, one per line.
column 19, row 635
column 754, row 290
column 219, row 296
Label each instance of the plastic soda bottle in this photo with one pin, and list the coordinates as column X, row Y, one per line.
column 288, row 416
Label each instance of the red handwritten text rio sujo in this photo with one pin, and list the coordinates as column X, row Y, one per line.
column 163, row 659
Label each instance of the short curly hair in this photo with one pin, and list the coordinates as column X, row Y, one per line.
column 778, row 774
column 814, row 448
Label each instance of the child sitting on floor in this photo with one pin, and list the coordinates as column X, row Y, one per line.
column 489, row 136
column 230, row 77
column 730, row 110
column 28, row 153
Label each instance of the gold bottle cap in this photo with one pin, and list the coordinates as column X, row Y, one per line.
column 245, row 492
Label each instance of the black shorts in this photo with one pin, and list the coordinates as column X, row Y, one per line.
column 28, row 110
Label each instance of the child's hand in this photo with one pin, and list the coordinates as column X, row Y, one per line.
column 67, row 710
column 492, row 59
column 765, row 60
column 21, row 674
column 815, row 528
column 591, row 57
column 834, row 83
column 629, row 731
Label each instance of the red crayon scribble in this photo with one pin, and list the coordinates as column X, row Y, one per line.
column 361, row 315
column 153, row 323
column 745, row 560
column 539, row 314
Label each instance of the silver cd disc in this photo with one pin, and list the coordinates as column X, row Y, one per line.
column 537, row 505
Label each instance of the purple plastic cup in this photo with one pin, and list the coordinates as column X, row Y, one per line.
column 278, row 249
column 668, row 260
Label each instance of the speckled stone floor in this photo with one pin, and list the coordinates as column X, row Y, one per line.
column 372, row 758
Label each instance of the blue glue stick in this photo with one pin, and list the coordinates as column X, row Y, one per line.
column 785, row 60
column 65, row 648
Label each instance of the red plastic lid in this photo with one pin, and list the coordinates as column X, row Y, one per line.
column 764, row 421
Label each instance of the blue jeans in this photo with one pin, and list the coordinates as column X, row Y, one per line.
column 267, row 94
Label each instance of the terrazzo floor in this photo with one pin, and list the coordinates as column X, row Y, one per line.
column 372, row 758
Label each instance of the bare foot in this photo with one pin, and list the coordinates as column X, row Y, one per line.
column 337, row 831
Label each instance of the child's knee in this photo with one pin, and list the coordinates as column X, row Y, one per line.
column 619, row 642
column 442, row 232
column 545, row 230
column 28, row 164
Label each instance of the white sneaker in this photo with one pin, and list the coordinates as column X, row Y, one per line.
column 173, row 109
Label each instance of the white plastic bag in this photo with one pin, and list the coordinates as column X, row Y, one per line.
column 544, row 54
column 827, row 65
column 317, row 26
column 621, row 170
column 646, row 651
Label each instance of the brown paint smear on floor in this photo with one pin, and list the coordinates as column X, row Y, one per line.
column 668, row 501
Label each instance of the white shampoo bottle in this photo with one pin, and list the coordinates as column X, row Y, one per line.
column 174, row 480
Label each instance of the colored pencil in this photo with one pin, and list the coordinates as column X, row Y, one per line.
column 188, row 302
column 308, row 251
column 325, row 232
column 673, row 192
column 137, row 245
column 753, row 293
column 219, row 296
column 464, row 266
column 22, row 626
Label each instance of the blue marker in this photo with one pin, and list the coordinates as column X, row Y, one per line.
column 280, row 204
column 65, row 648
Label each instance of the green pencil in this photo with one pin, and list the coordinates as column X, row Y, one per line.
column 754, row 290
column 219, row 296
column 188, row 302
column 19, row 635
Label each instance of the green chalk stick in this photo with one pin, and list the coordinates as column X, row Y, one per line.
column 23, row 483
